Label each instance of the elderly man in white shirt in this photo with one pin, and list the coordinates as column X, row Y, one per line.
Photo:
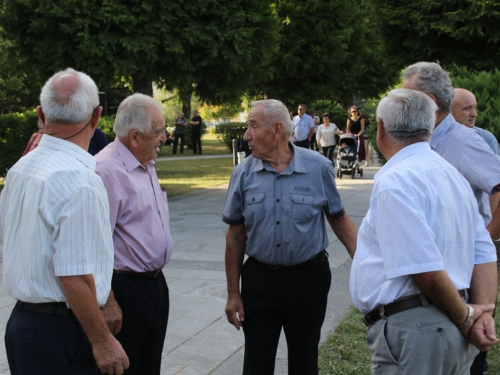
column 56, row 236
column 417, row 249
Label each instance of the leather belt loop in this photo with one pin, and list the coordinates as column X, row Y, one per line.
column 382, row 311
column 424, row 300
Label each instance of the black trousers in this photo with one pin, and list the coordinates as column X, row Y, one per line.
column 293, row 299
column 145, row 307
column 181, row 138
column 304, row 143
column 46, row 344
column 196, row 139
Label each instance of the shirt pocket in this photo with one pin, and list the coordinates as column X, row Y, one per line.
column 304, row 208
column 254, row 206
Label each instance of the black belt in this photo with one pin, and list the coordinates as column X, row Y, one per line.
column 52, row 308
column 315, row 259
column 146, row 275
column 403, row 304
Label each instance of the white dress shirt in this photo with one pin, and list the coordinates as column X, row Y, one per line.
column 54, row 221
column 423, row 217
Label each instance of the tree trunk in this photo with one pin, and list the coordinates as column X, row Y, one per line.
column 142, row 85
column 185, row 95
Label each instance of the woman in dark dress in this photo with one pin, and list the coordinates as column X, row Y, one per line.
column 356, row 126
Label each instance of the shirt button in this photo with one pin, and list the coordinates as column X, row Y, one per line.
column 278, row 200
column 278, row 245
column 278, row 223
column 278, row 177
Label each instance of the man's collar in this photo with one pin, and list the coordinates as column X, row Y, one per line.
column 296, row 164
column 441, row 129
column 70, row 148
column 128, row 157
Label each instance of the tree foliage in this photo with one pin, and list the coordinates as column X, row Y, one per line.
column 462, row 32
column 328, row 49
column 213, row 48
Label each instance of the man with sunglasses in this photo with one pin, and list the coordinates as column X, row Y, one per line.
column 58, row 250
column 141, row 232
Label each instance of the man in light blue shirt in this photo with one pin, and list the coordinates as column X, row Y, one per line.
column 469, row 153
column 303, row 127
column 277, row 204
column 417, row 251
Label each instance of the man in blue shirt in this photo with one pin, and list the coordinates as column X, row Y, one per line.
column 277, row 198
column 303, row 127
column 468, row 152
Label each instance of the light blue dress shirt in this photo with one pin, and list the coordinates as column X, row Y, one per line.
column 283, row 212
column 302, row 127
column 463, row 148
column 489, row 138
column 423, row 217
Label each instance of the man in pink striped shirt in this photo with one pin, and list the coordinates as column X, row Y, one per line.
column 141, row 232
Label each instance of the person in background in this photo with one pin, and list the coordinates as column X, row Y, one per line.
column 314, row 143
column 368, row 145
column 180, row 124
column 35, row 138
column 303, row 127
column 196, row 124
column 97, row 142
column 326, row 137
column 356, row 125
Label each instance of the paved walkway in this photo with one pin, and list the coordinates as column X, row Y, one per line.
column 199, row 340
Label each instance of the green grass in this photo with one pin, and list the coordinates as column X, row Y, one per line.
column 346, row 352
column 209, row 144
column 184, row 176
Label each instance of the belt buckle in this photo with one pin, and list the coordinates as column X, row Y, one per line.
column 274, row 267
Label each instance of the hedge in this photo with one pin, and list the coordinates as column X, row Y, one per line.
column 231, row 130
column 15, row 132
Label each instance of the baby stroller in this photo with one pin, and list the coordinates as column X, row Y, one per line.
column 347, row 157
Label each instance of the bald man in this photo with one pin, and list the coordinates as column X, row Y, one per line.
column 58, row 249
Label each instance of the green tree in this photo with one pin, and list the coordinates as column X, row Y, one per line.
column 328, row 49
column 213, row 48
column 462, row 32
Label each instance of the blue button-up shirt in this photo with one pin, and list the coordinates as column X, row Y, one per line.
column 489, row 139
column 463, row 148
column 302, row 127
column 283, row 212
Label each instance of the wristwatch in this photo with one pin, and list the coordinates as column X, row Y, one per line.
column 468, row 321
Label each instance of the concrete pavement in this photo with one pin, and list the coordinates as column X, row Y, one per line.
column 199, row 340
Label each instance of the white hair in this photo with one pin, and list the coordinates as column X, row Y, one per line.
column 73, row 107
column 408, row 115
column 134, row 113
column 275, row 111
column 432, row 79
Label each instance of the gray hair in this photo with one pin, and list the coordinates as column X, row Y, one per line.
column 275, row 111
column 73, row 107
column 408, row 115
column 134, row 114
column 432, row 79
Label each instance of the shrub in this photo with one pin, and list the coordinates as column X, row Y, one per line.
column 486, row 87
column 231, row 130
column 15, row 132
column 106, row 125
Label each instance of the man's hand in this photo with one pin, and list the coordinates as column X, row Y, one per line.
column 112, row 314
column 234, row 311
column 110, row 356
column 482, row 333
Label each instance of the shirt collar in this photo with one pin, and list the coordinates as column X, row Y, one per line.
column 410, row 150
column 128, row 157
column 69, row 148
column 296, row 164
column 440, row 131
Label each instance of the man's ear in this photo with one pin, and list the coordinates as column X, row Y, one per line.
column 133, row 138
column 95, row 117
column 380, row 129
column 40, row 114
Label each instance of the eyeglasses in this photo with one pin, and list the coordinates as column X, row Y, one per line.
column 354, row 111
column 158, row 132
